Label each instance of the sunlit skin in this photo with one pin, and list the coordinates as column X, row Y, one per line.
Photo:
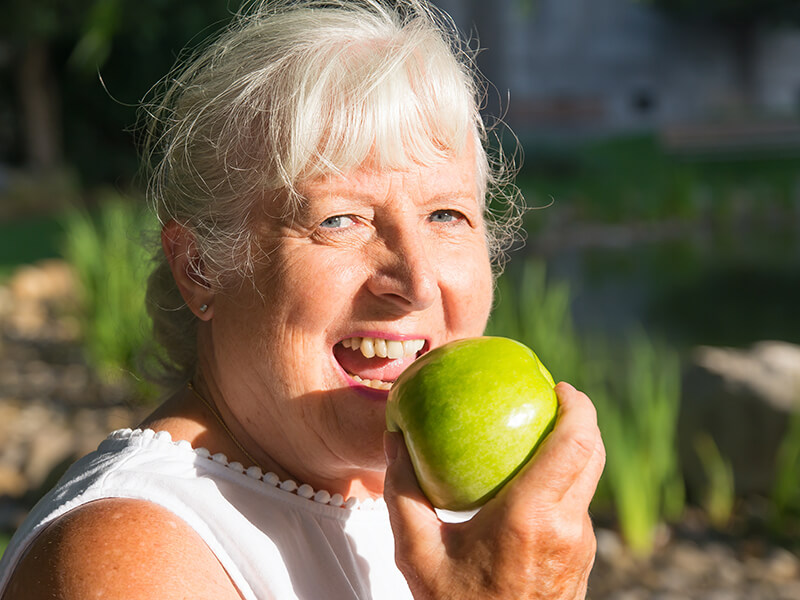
column 398, row 255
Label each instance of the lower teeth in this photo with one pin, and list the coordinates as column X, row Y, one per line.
column 373, row 383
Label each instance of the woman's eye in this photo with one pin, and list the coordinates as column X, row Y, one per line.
column 446, row 216
column 338, row 222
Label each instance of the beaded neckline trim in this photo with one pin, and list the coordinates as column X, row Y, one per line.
column 271, row 479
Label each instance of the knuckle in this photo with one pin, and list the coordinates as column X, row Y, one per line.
column 582, row 446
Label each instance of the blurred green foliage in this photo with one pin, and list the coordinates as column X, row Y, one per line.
column 4, row 539
column 785, row 518
column 634, row 179
column 720, row 494
column 638, row 405
column 106, row 250
column 27, row 241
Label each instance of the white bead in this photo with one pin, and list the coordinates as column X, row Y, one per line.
column 163, row 436
column 336, row 500
column 272, row 479
column 236, row 466
column 220, row 458
column 322, row 496
column 289, row 485
column 305, row 491
column 203, row 453
column 351, row 502
column 254, row 472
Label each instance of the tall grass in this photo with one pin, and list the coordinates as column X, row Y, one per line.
column 638, row 415
column 108, row 255
column 4, row 539
column 537, row 313
column 635, row 385
column 785, row 498
column 720, row 493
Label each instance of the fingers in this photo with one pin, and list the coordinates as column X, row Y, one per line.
column 571, row 459
column 414, row 522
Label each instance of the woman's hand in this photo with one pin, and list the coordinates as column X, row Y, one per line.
column 533, row 540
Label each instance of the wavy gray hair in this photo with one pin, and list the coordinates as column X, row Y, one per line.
column 292, row 90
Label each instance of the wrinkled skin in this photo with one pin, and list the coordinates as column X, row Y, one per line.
column 534, row 540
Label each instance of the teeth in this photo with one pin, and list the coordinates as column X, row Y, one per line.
column 373, row 383
column 394, row 349
column 368, row 347
column 383, row 348
column 412, row 346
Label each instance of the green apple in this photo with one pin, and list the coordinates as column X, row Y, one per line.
column 472, row 412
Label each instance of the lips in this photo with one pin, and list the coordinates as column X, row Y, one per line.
column 376, row 362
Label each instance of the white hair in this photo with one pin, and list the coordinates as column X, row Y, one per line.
column 291, row 91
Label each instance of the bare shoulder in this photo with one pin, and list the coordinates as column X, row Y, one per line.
column 122, row 549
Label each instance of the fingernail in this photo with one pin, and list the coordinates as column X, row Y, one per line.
column 390, row 446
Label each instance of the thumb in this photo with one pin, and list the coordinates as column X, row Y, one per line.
column 414, row 522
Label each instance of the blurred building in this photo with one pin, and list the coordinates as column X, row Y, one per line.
column 610, row 66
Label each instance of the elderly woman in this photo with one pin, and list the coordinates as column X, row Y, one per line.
column 321, row 182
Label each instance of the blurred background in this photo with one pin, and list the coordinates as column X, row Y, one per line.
column 659, row 152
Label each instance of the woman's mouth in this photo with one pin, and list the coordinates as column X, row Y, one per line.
column 376, row 362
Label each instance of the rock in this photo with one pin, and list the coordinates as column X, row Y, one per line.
column 46, row 281
column 39, row 299
column 12, row 482
column 743, row 399
column 770, row 370
column 781, row 565
column 610, row 547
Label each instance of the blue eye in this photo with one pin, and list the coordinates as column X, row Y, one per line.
column 337, row 222
column 446, row 216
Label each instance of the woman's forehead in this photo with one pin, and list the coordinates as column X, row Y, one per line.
column 455, row 177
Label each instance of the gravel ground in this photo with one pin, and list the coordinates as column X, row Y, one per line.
column 700, row 566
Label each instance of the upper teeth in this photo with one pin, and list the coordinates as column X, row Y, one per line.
column 384, row 348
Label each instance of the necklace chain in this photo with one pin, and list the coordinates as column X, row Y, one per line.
column 218, row 417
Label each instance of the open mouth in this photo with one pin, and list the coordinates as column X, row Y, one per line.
column 376, row 362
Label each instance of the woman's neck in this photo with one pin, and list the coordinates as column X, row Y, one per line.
column 204, row 425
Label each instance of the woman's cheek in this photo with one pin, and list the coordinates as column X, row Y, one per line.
column 468, row 291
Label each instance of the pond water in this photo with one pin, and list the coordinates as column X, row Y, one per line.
column 691, row 285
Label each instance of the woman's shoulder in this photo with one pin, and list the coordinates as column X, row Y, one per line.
column 119, row 548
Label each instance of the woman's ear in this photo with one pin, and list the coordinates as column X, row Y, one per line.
column 187, row 268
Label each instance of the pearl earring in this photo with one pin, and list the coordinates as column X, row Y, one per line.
column 204, row 308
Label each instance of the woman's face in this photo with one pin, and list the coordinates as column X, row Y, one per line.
column 375, row 268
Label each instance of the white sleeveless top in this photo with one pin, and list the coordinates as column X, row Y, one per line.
column 275, row 540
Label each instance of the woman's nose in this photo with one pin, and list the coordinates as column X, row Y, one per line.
column 405, row 275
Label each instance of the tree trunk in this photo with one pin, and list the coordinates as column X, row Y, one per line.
column 745, row 52
column 39, row 104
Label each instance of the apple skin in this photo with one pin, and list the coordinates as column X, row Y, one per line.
column 472, row 412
